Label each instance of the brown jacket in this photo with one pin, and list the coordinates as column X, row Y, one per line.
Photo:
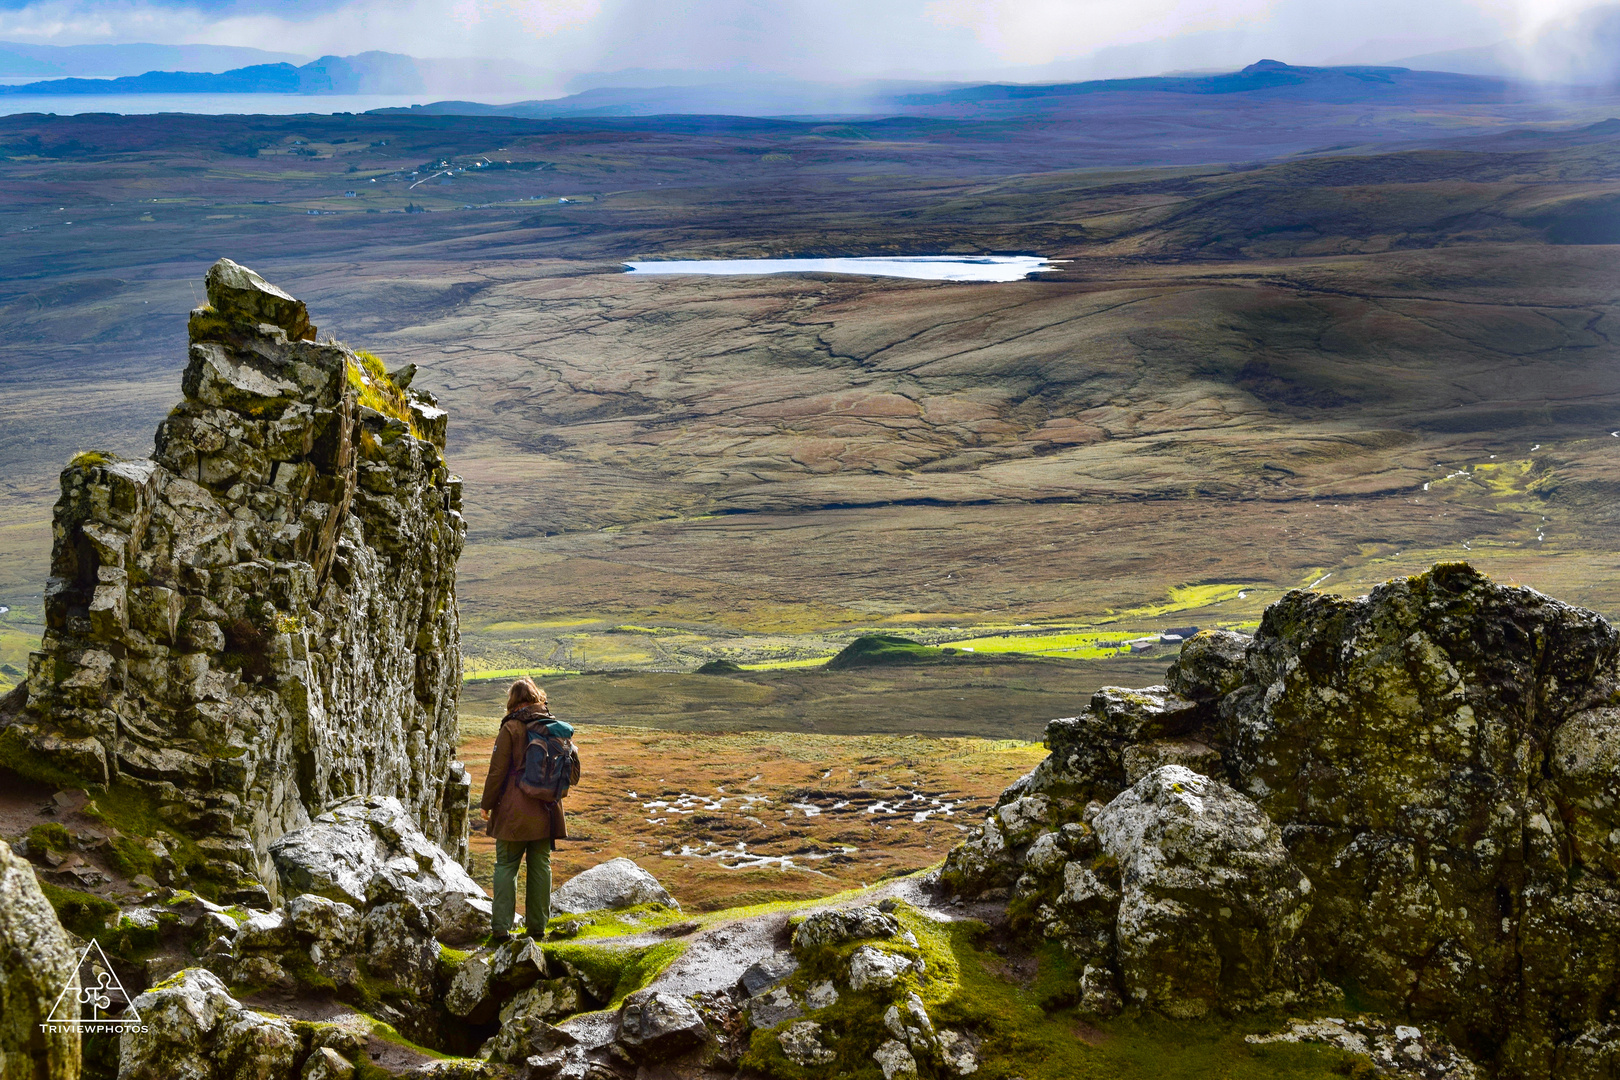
column 516, row 816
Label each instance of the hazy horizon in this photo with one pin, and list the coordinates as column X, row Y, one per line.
column 556, row 48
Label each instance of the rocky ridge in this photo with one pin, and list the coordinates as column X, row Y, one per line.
column 1413, row 793
column 260, row 620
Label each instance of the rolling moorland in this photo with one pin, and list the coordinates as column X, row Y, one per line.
column 1365, row 338
column 1316, row 369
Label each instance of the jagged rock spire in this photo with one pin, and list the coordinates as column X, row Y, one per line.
column 261, row 619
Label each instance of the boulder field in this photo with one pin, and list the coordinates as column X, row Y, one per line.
column 1411, row 795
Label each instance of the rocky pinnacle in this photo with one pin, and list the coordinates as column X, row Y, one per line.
column 260, row 620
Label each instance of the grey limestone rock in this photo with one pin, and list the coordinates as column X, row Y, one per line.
column 525, row 1034
column 655, row 1025
column 895, row 1059
column 367, row 850
column 802, row 1044
column 613, row 885
column 1401, row 1051
column 1439, row 757
column 875, row 969
column 1210, row 903
column 771, row 1007
column 192, row 1029
column 766, row 973
column 325, row 1063
column 260, row 621
column 837, row 925
column 488, row 979
column 38, row 964
column 1210, row 666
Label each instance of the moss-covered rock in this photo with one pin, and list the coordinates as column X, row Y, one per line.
column 38, row 965
column 1439, row 755
column 1438, row 760
column 260, row 620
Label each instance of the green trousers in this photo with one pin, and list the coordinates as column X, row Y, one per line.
column 536, row 897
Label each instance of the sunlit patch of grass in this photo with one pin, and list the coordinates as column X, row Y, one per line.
column 782, row 665
column 470, row 673
column 1188, row 598
column 375, row 390
column 1074, row 646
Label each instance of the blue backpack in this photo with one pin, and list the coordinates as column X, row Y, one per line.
column 550, row 763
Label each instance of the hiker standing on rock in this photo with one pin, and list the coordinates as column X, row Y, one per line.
column 530, row 772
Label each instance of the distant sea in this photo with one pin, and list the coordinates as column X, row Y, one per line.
column 206, row 104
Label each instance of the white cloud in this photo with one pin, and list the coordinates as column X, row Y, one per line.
column 819, row 38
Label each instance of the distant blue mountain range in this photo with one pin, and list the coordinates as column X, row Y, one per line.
column 365, row 73
column 1268, row 78
column 19, row 58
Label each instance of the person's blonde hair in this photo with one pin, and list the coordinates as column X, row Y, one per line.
column 524, row 692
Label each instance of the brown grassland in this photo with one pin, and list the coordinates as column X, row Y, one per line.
column 725, row 820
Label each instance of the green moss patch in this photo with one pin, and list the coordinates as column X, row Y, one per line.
column 606, row 924
column 1023, row 1036
column 51, row 836
column 18, row 757
column 133, row 811
column 625, row 969
column 81, row 912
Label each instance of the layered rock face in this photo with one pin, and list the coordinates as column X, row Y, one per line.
column 1414, row 795
column 261, row 620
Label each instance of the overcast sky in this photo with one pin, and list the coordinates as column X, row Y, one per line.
column 833, row 39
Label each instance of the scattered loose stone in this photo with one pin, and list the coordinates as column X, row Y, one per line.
column 895, row 1059
column 613, row 885
column 1398, row 1050
column 801, row 1043
column 876, row 968
column 654, row 1025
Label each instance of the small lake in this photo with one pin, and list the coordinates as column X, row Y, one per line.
column 923, row 267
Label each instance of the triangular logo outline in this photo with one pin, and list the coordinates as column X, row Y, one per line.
column 98, row 993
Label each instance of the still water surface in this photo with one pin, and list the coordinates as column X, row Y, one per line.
column 925, row 267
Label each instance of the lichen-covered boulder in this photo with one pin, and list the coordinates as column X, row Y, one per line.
column 613, row 885
column 38, row 967
column 655, row 1025
column 1094, row 756
column 871, row 968
column 1439, row 755
column 524, row 1033
column 192, row 1029
column 837, row 925
column 367, row 851
column 1211, row 665
column 1210, row 903
column 326, row 1063
column 801, row 1044
column 238, row 295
